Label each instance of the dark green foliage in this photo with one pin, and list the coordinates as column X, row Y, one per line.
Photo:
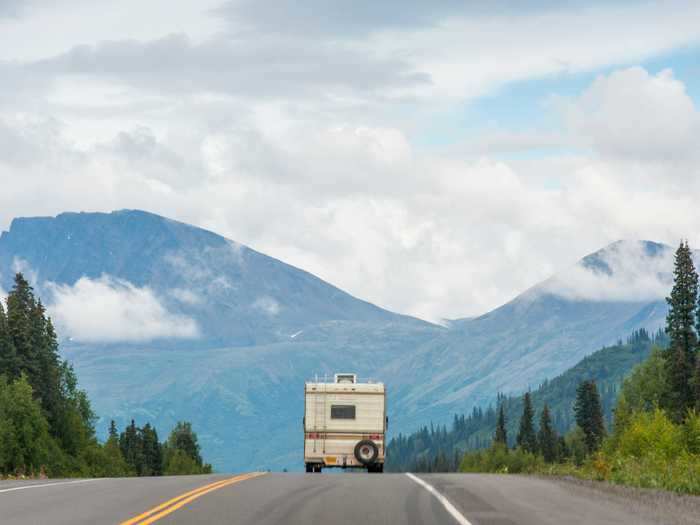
column 680, row 327
column 697, row 385
column 501, row 434
column 24, row 437
column 181, row 452
column 9, row 362
column 527, row 439
column 589, row 415
column 608, row 367
column 46, row 422
column 547, row 439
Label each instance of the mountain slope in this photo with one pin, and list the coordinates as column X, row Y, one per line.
column 164, row 321
column 539, row 334
column 237, row 296
column 608, row 367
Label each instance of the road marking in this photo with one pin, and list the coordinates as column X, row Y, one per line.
column 170, row 506
column 25, row 487
column 442, row 499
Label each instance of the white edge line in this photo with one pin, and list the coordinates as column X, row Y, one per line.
column 442, row 499
column 49, row 484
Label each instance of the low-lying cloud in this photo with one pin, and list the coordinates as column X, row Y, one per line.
column 267, row 305
column 624, row 271
column 109, row 310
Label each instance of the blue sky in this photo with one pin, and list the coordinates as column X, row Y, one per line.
column 436, row 159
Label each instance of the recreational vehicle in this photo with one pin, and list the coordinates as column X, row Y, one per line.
column 344, row 424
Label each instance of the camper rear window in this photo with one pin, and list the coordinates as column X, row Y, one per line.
column 342, row 411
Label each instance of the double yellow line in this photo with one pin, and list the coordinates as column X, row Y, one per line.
column 177, row 502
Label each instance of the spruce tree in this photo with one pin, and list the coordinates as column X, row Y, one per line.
column 20, row 303
column 9, row 365
column 589, row 415
column 501, row 435
column 680, row 327
column 113, row 432
column 527, row 439
column 547, row 438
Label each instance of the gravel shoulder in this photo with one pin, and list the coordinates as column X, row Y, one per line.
column 668, row 508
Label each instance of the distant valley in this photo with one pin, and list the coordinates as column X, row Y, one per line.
column 224, row 336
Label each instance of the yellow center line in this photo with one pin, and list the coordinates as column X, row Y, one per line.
column 177, row 502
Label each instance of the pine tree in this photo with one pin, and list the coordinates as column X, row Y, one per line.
column 680, row 327
column 697, row 384
column 527, row 439
column 113, row 432
column 20, row 303
column 9, row 365
column 547, row 438
column 589, row 415
column 501, row 435
column 130, row 446
column 152, row 452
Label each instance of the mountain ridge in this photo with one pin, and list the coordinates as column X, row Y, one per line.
column 267, row 326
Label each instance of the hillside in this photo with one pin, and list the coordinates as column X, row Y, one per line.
column 608, row 367
column 165, row 320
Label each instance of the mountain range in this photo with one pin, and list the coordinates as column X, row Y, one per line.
column 165, row 321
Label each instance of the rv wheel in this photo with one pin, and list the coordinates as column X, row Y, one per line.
column 366, row 452
column 309, row 468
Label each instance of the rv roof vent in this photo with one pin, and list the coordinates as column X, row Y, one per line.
column 345, row 378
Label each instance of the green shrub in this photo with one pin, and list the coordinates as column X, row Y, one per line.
column 501, row 460
column 651, row 434
column 691, row 432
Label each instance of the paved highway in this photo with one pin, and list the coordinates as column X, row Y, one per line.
column 307, row 499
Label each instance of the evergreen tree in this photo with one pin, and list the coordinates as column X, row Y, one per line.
column 501, row 435
column 589, row 415
column 152, row 453
column 680, row 327
column 113, row 432
column 526, row 438
column 9, row 365
column 181, row 452
column 131, row 448
column 547, row 438
column 20, row 303
column 24, row 438
column 697, row 384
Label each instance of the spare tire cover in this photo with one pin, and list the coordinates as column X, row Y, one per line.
column 366, row 451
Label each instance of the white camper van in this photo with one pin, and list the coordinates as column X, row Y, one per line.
column 344, row 424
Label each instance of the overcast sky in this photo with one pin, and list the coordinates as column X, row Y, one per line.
column 434, row 159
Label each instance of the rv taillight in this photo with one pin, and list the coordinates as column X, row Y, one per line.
column 313, row 435
column 375, row 437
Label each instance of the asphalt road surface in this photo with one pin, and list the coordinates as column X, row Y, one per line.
column 307, row 499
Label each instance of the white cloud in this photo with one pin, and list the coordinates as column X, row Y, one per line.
column 186, row 296
column 109, row 310
column 633, row 114
column 625, row 271
column 268, row 305
column 302, row 143
column 19, row 265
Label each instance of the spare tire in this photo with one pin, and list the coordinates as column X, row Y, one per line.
column 366, row 451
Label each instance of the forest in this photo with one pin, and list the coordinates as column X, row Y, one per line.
column 642, row 430
column 47, row 425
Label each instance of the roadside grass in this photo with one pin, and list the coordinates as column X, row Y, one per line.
column 649, row 452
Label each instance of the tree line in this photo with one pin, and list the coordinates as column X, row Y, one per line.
column 437, row 448
column 47, row 425
column 653, row 439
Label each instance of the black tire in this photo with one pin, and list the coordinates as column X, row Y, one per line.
column 309, row 468
column 317, row 468
column 366, row 452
